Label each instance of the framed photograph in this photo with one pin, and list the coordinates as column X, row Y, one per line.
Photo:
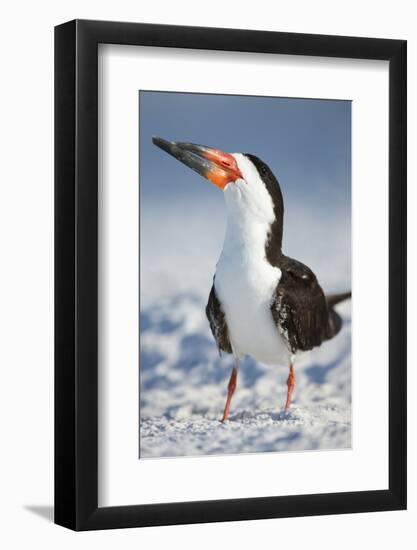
column 230, row 254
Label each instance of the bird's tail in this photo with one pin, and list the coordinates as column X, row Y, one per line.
column 334, row 299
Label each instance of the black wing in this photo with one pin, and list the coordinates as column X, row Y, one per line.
column 300, row 309
column 217, row 320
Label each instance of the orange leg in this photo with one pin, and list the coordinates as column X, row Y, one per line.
column 230, row 391
column 290, row 387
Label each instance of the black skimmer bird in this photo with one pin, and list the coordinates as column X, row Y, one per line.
column 262, row 303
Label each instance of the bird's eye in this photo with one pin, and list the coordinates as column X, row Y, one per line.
column 264, row 170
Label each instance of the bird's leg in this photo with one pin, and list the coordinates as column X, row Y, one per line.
column 230, row 390
column 290, row 386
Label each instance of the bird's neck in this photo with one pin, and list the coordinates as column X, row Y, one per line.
column 251, row 239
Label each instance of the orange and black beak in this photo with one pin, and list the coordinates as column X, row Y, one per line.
column 218, row 167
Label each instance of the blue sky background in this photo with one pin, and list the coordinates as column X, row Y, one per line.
column 306, row 143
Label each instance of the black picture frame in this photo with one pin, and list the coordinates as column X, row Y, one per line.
column 76, row 272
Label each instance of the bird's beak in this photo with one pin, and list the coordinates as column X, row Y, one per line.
column 218, row 167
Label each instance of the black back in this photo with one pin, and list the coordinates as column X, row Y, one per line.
column 300, row 309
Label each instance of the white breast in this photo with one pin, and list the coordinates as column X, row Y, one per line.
column 245, row 292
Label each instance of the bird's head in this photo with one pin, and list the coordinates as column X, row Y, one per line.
column 250, row 188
